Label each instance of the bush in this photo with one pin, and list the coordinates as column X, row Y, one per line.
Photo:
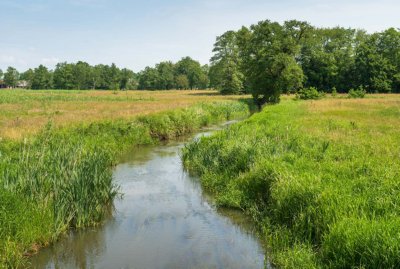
column 334, row 92
column 359, row 93
column 310, row 93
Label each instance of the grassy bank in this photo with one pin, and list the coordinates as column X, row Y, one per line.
column 321, row 178
column 61, row 178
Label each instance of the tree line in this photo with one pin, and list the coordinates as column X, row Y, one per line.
column 268, row 58
column 265, row 59
column 185, row 74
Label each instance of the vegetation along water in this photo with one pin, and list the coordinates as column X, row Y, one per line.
column 321, row 178
column 61, row 178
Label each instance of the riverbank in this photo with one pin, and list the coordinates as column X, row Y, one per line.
column 61, row 178
column 321, row 178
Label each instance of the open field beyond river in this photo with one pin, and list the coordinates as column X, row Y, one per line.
column 24, row 112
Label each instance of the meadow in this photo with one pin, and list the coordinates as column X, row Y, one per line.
column 321, row 178
column 56, row 167
column 25, row 112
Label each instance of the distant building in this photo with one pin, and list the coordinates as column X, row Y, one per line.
column 22, row 84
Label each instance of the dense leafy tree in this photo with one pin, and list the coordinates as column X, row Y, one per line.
column 182, row 82
column 11, row 77
column 268, row 53
column 128, row 80
column 63, row 76
column 42, row 78
column 226, row 75
column 166, row 76
column 377, row 61
column 81, row 75
column 148, row 78
column 193, row 71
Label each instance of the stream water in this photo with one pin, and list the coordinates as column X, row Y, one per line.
column 163, row 220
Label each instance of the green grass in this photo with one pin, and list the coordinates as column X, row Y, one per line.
column 62, row 177
column 321, row 178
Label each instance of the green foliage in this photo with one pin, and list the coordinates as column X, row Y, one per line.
column 11, row 77
column 82, row 76
column 323, row 188
column 268, row 52
column 269, row 58
column 225, row 74
column 62, row 178
column 359, row 93
column 185, row 74
column 334, row 92
column 310, row 93
column 41, row 78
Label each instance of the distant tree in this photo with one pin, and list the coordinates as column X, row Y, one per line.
column 377, row 62
column 166, row 77
column 81, row 76
column 1, row 74
column 28, row 77
column 95, row 76
column 182, row 82
column 148, row 78
column 113, row 77
column 11, row 77
column 192, row 69
column 42, row 78
column 327, row 58
column 63, row 76
column 128, row 80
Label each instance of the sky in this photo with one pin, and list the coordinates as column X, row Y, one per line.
column 135, row 34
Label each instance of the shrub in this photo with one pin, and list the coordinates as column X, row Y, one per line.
column 359, row 93
column 334, row 92
column 310, row 93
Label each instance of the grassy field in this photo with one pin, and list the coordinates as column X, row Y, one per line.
column 60, row 175
column 25, row 112
column 321, row 178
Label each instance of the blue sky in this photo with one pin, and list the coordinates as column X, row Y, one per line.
column 136, row 33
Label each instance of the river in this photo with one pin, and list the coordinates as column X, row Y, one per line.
column 163, row 220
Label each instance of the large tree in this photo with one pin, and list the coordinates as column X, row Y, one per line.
column 11, row 77
column 192, row 70
column 42, row 78
column 63, row 76
column 148, row 78
column 268, row 52
column 225, row 71
column 166, row 78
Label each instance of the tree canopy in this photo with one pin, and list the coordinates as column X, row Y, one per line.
column 268, row 59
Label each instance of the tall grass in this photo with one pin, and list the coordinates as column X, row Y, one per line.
column 62, row 178
column 322, row 180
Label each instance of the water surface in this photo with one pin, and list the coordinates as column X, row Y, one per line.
column 163, row 220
